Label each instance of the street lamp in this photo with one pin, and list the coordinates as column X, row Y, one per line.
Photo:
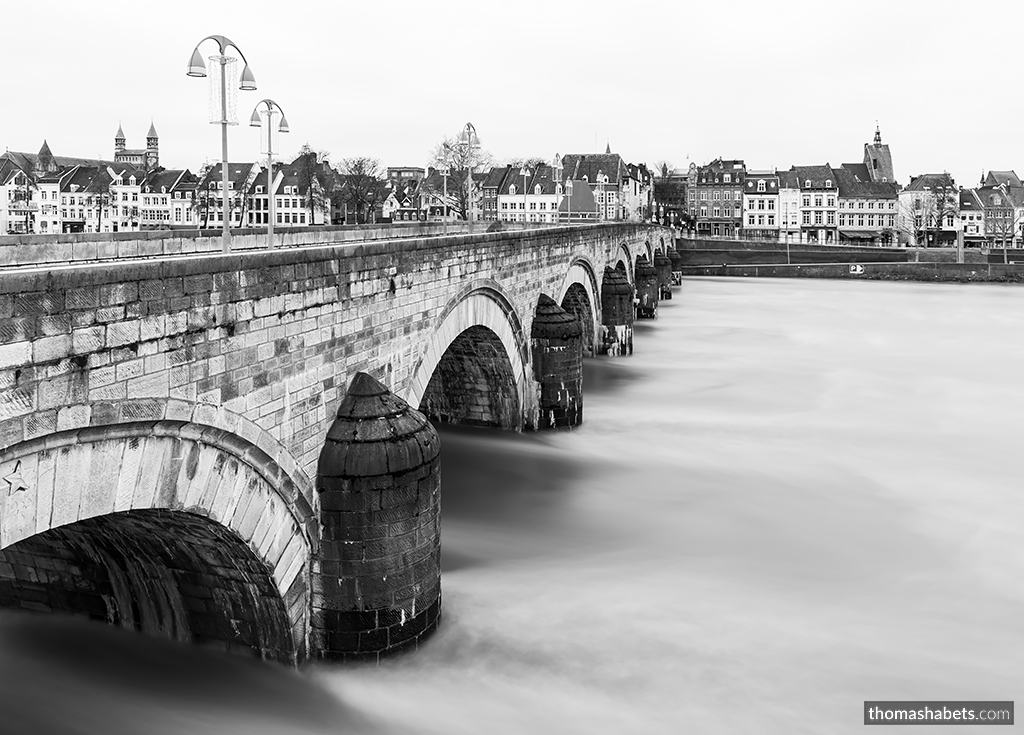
column 568, row 201
column 524, row 172
column 444, row 211
column 196, row 68
column 265, row 117
column 470, row 139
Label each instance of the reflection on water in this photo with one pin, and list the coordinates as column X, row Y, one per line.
column 795, row 496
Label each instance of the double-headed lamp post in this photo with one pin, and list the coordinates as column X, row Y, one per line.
column 471, row 140
column 265, row 117
column 225, row 116
column 444, row 211
column 524, row 172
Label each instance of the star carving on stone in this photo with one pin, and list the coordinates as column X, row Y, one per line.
column 15, row 481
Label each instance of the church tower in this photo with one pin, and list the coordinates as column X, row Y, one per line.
column 152, row 148
column 878, row 159
column 119, row 141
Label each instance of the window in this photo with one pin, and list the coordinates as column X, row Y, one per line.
column 807, row 201
column 716, row 212
column 871, row 220
column 817, row 200
column 871, row 205
column 807, row 218
column 760, row 203
column 727, row 178
column 842, row 220
column 760, row 220
column 771, row 220
column 716, row 195
column 703, row 195
column 860, row 220
column 750, row 220
column 831, row 201
column 831, row 219
column 828, row 183
column 760, row 185
column 817, row 217
column 771, row 205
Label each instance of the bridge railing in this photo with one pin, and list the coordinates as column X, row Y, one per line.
column 68, row 248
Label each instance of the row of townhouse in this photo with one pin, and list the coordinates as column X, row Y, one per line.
column 574, row 187
column 853, row 202
column 821, row 203
column 45, row 194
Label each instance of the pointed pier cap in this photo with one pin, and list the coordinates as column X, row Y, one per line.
column 376, row 433
column 615, row 282
column 644, row 268
column 551, row 321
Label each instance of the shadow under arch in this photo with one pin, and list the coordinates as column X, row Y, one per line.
column 579, row 295
column 473, row 369
column 188, row 530
column 623, row 260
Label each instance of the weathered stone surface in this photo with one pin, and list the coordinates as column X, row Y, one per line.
column 663, row 264
column 647, row 289
column 617, row 313
column 557, row 365
column 378, row 473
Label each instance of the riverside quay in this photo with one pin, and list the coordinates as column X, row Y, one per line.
column 236, row 448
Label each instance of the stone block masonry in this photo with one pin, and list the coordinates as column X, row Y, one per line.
column 231, row 368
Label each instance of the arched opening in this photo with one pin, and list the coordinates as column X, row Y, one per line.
column 158, row 571
column 577, row 302
column 473, row 383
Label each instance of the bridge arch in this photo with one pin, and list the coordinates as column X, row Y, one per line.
column 579, row 294
column 473, row 368
column 169, row 526
column 623, row 260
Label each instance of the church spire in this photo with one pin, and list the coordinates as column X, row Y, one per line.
column 878, row 134
column 607, row 148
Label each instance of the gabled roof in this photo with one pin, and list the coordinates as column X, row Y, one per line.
column 969, row 201
column 859, row 170
column 926, row 182
column 589, row 165
column 852, row 187
column 1009, row 178
column 788, row 180
column 169, row 178
column 495, row 178
column 238, row 174
column 816, row 177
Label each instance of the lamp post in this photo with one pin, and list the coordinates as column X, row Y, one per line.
column 568, row 201
column 267, row 114
column 444, row 202
column 524, row 171
column 196, row 68
column 470, row 139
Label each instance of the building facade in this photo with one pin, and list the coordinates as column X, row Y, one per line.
column 716, row 197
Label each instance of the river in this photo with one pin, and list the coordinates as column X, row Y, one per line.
column 795, row 496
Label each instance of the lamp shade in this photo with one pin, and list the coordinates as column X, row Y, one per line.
column 196, row 67
column 255, row 120
column 283, row 127
column 248, row 82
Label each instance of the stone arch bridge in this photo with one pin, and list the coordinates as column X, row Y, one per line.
column 167, row 452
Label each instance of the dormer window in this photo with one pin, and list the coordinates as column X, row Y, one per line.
column 131, row 181
column 828, row 183
column 727, row 178
column 807, row 184
column 512, row 189
column 537, row 189
column 761, row 185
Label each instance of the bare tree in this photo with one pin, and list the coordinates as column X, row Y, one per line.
column 1003, row 215
column 363, row 187
column 460, row 159
column 201, row 196
column 945, row 204
column 315, row 177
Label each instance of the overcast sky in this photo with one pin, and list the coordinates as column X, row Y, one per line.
column 776, row 83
